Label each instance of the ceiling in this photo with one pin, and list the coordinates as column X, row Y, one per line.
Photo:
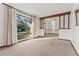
column 43, row 9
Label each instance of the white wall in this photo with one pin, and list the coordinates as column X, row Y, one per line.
column 1, row 25
column 75, row 29
column 75, row 38
column 73, row 33
column 37, row 27
column 65, row 34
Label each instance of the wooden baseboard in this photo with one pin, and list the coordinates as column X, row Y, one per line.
column 74, row 48
column 7, row 46
column 64, row 39
column 72, row 45
column 2, row 46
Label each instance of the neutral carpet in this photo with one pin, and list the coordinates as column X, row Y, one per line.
column 40, row 47
column 51, row 35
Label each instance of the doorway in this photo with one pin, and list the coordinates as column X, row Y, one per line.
column 51, row 28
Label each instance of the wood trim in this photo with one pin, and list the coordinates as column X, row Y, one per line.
column 40, row 24
column 74, row 48
column 42, row 27
column 71, row 45
column 59, row 22
column 76, row 10
column 76, row 20
column 59, row 15
column 56, row 15
column 45, row 28
column 68, row 21
column 64, row 21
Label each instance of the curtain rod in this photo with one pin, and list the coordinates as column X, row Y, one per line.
column 19, row 10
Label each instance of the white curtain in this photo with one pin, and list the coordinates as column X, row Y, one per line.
column 33, row 27
column 10, row 25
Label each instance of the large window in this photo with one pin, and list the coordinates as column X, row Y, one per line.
column 23, row 27
column 64, row 22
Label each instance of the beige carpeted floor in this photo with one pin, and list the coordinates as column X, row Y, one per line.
column 51, row 35
column 40, row 47
column 48, row 35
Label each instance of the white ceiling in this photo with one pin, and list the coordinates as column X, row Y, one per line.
column 43, row 9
